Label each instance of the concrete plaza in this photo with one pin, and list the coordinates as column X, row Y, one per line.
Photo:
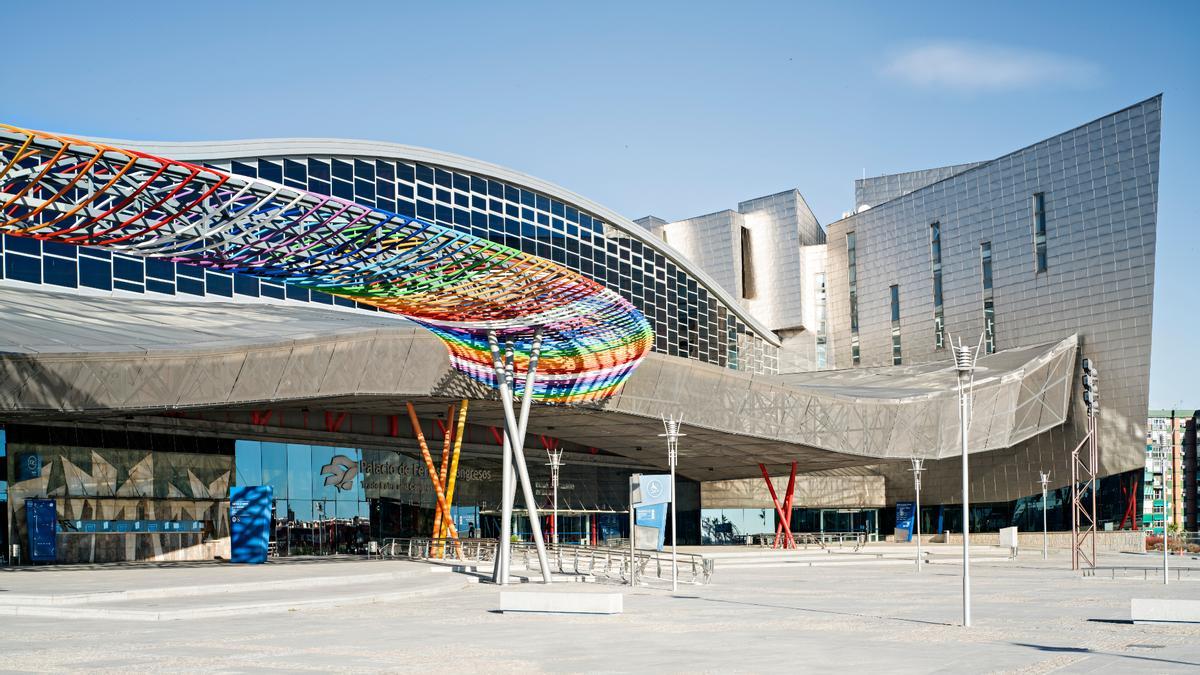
column 764, row 612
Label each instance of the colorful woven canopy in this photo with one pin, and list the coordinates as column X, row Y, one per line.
column 457, row 285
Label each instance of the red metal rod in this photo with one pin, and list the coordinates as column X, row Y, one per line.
column 787, row 528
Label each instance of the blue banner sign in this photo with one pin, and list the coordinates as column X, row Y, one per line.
column 654, row 516
column 905, row 517
column 41, row 519
column 249, row 523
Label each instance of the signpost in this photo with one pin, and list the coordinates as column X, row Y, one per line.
column 41, row 519
column 649, row 495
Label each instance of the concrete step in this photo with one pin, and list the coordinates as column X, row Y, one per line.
column 85, row 598
column 169, row 607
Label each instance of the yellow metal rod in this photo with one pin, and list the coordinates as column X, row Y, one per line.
column 458, row 438
column 439, row 516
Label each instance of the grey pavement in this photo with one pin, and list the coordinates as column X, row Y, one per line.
column 763, row 614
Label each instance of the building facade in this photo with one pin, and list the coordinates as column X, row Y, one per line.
column 1170, row 444
column 779, row 339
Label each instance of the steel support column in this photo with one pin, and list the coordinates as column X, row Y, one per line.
column 783, row 518
column 514, row 430
column 787, row 506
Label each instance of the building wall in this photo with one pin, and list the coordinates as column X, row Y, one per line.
column 778, row 226
column 1171, row 434
column 879, row 189
column 713, row 243
column 1100, row 182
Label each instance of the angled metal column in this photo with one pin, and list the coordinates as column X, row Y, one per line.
column 500, row 570
column 783, row 518
column 787, row 507
column 515, row 430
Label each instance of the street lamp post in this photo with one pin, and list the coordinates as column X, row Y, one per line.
column 671, row 427
column 555, row 463
column 964, row 363
column 1044, row 479
column 918, row 465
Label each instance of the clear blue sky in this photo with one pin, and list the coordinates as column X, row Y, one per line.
column 663, row 108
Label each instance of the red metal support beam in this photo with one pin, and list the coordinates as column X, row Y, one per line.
column 787, row 507
column 783, row 519
column 333, row 422
column 260, row 417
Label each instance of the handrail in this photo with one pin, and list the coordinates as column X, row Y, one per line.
column 596, row 561
column 1147, row 571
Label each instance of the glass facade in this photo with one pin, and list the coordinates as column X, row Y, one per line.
column 65, row 266
column 732, row 526
column 688, row 320
column 120, row 496
column 125, row 495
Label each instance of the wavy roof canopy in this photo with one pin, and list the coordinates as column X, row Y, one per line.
column 457, row 285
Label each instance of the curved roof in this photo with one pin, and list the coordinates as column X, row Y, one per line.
column 465, row 289
column 203, row 151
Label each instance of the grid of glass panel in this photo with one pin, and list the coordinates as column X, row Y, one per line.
column 688, row 320
column 66, row 266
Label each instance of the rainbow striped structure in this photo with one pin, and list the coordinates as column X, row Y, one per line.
column 457, row 285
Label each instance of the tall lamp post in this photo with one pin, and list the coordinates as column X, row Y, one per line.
column 964, row 363
column 918, row 465
column 671, row 427
column 1044, row 479
column 555, row 463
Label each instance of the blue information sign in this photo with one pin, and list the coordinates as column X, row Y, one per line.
column 654, row 516
column 249, row 523
column 41, row 519
column 905, row 516
column 655, row 489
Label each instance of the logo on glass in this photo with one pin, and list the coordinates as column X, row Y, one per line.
column 340, row 472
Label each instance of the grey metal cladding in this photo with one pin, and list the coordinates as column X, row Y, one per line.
column 878, row 189
column 1100, row 182
column 222, row 356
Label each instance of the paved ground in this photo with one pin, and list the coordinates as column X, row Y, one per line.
column 764, row 612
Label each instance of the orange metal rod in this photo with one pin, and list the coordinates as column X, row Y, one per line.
column 433, row 474
column 446, row 436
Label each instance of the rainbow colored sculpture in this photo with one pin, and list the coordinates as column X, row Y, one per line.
column 457, row 285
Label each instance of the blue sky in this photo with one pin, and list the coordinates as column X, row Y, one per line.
column 674, row 109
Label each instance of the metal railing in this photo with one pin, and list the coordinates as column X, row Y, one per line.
column 611, row 564
column 821, row 539
column 1145, row 572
